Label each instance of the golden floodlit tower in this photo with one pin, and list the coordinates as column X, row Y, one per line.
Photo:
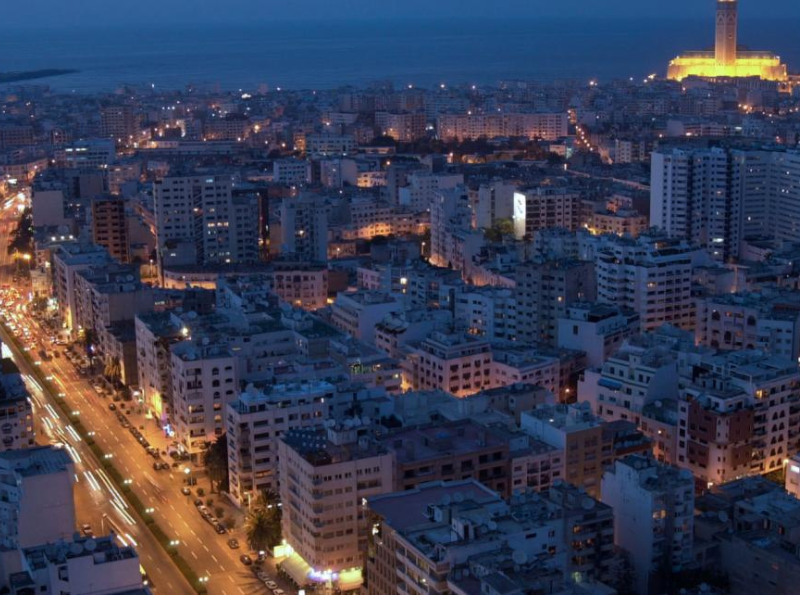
column 727, row 24
column 727, row 59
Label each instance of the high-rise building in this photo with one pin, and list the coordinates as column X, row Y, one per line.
column 303, row 230
column 110, row 227
column 257, row 419
column 544, row 291
column 326, row 478
column 650, row 275
column 199, row 221
column 715, row 197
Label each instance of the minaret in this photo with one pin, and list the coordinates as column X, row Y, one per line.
column 727, row 24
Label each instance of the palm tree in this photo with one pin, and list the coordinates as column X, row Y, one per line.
column 262, row 529
column 216, row 461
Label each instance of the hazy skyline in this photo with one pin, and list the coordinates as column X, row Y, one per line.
column 120, row 12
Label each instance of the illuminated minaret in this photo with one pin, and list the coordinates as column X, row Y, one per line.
column 727, row 23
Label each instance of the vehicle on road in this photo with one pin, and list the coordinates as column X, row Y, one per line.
column 186, row 491
column 198, row 502
column 220, row 529
column 233, row 543
column 246, row 560
column 112, row 406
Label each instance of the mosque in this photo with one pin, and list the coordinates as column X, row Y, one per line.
column 727, row 59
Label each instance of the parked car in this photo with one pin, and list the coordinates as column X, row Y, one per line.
column 278, row 592
column 271, row 584
column 112, row 406
column 198, row 502
column 220, row 528
column 246, row 560
column 186, row 491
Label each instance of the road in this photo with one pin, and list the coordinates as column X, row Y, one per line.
column 97, row 502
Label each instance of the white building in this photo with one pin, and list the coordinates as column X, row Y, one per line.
column 257, row 420
column 79, row 566
column 326, row 477
column 17, row 429
column 204, row 379
column 653, row 515
column 36, row 503
column 357, row 313
column 650, row 275
column 596, row 329
column 714, row 197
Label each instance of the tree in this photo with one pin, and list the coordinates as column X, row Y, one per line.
column 262, row 529
column 499, row 230
column 216, row 461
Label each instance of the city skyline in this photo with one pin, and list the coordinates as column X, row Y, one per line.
column 335, row 298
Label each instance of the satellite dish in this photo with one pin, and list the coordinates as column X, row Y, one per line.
column 519, row 557
column 90, row 545
column 458, row 497
column 356, row 422
column 446, row 499
column 492, row 526
column 723, row 516
column 76, row 549
column 587, row 504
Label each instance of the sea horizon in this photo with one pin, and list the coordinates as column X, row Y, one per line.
column 333, row 53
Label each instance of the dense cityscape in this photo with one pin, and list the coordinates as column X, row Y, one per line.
column 536, row 337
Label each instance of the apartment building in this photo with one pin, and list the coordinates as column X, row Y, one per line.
column 326, row 478
column 257, row 419
column 456, row 363
column 204, row 379
column 653, row 508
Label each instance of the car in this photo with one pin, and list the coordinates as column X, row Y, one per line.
column 233, row 543
column 153, row 452
column 220, row 529
column 246, row 560
column 261, row 558
column 278, row 592
column 271, row 584
column 112, row 406
column 198, row 502
column 186, row 491
column 99, row 390
column 156, row 466
column 86, row 530
column 263, row 576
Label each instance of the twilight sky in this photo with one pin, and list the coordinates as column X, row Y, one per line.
column 120, row 12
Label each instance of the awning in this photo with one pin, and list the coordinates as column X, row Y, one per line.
column 296, row 568
column 350, row 580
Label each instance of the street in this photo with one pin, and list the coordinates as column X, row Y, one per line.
column 98, row 502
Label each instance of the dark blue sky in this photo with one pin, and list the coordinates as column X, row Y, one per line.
column 120, row 12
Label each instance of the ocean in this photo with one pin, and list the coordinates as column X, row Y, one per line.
column 300, row 55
